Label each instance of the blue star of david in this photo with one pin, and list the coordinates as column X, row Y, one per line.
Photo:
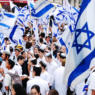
column 87, row 43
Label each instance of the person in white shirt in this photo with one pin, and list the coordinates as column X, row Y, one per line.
column 59, row 73
column 51, row 64
column 44, row 74
column 7, row 78
column 5, row 57
column 91, row 79
column 17, row 53
column 37, row 80
column 32, row 62
column 41, row 55
column 7, row 44
column 17, row 67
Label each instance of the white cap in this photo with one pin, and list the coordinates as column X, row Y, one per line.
column 47, row 54
column 62, row 55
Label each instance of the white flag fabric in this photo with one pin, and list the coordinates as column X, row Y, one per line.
column 9, row 29
column 42, row 8
column 83, row 48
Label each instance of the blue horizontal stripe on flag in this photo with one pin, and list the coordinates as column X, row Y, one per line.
column 83, row 66
column 4, row 25
column 43, row 11
column 9, row 15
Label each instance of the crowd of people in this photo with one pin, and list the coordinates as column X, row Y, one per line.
column 33, row 68
column 36, row 67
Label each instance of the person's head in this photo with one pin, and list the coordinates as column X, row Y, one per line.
column 62, row 58
column 47, row 39
column 35, row 90
column 17, row 89
column 5, row 56
column 6, row 40
column 25, row 38
column 41, row 52
column 10, row 64
column 19, row 47
column 34, row 62
column 36, row 71
column 41, row 40
column 28, row 45
column 20, row 60
column 63, row 49
column 43, row 65
column 48, row 57
column 53, row 92
column 35, row 50
column 33, row 41
column 24, row 54
column 42, row 35
column 17, row 52
column 11, row 49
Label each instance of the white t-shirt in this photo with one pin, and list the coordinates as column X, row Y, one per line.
column 3, row 65
column 91, row 83
column 58, row 80
column 46, row 76
column 79, row 88
column 40, row 82
column 18, row 69
column 51, row 67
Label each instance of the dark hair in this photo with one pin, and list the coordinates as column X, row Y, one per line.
column 19, row 89
column 34, row 62
column 22, row 52
column 50, row 56
column 6, row 38
column 53, row 92
column 11, row 49
column 0, row 54
column 41, row 40
column 24, row 35
column 42, row 35
column 36, row 87
column 42, row 64
column 28, row 45
column 0, row 85
column 20, row 58
column 37, row 70
column 11, row 63
column 41, row 50
column 7, row 55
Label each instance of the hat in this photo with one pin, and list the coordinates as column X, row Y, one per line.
column 42, row 64
column 41, row 49
column 47, row 54
column 62, row 55
column 17, row 49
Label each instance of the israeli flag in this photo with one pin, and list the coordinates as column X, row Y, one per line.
column 82, row 52
column 9, row 29
column 7, row 20
column 42, row 8
column 15, row 7
column 23, row 16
